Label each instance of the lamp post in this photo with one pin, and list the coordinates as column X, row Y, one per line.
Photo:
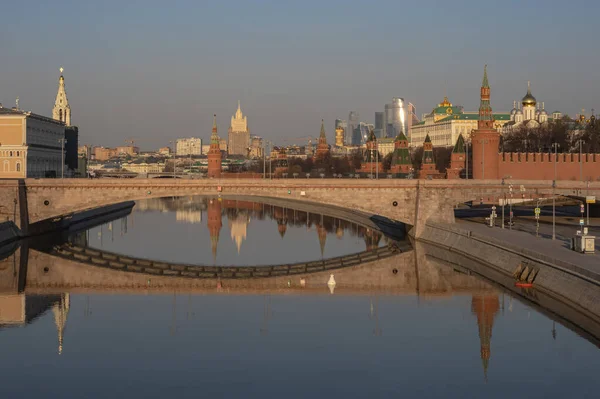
column 62, row 142
column 484, row 141
column 503, row 202
column 555, row 145
column 580, row 163
column 467, row 172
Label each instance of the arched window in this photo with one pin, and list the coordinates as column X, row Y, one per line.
column 18, row 166
column 60, row 115
column 66, row 115
column 6, row 166
column 11, row 153
column 18, row 154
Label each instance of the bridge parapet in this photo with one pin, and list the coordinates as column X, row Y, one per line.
column 409, row 201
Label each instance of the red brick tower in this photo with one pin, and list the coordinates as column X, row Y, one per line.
column 214, row 224
column 428, row 160
column 485, row 139
column 322, row 147
column 457, row 159
column 214, row 153
column 485, row 307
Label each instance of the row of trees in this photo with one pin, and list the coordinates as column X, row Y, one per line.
column 564, row 132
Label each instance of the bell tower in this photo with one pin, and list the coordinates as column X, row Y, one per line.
column 485, row 139
column 62, row 109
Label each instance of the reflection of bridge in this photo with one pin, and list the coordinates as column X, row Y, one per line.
column 408, row 201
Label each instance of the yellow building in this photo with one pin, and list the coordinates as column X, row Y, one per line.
column 143, row 167
column 446, row 122
column 238, row 135
column 30, row 144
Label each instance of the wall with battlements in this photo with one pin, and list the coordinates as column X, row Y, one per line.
column 540, row 166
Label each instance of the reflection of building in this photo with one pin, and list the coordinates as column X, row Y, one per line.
column 372, row 238
column 485, row 308
column 239, row 229
column 239, row 135
column 24, row 309
column 188, row 215
column 188, row 146
column 61, row 311
column 214, row 224
column 214, row 153
column 322, row 233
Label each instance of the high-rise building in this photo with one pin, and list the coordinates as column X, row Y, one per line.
column 379, row 125
column 188, row 146
column 239, row 135
column 214, row 153
column 340, row 132
column 352, row 138
column 395, row 117
column 62, row 109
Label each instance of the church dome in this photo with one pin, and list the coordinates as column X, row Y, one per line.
column 519, row 112
column 513, row 111
column 529, row 99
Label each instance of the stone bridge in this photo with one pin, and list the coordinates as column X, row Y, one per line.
column 412, row 202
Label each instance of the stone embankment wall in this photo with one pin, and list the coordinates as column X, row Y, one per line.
column 8, row 233
column 572, row 285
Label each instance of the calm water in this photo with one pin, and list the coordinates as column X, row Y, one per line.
column 424, row 331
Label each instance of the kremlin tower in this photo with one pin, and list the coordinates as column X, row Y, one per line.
column 322, row 147
column 457, row 159
column 401, row 161
column 214, row 153
column 428, row 160
column 485, row 139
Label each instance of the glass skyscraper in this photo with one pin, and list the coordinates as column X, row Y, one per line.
column 395, row 117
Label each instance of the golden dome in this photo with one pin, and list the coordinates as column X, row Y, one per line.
column 529, row 99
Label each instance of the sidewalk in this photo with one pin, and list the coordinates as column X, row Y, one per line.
column 558, row 249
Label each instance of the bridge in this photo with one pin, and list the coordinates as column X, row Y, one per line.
column 412, row 202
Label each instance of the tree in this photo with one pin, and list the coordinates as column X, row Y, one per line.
column 387, row 161
column 442, row 156
column 356, row 159
column 417, row 157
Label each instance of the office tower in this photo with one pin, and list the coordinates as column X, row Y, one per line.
column 395, row 117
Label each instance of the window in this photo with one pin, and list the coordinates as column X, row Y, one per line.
column 6, row 166
column 60, row 115
column 18, row 154
column 18, row 166
column 11, row 153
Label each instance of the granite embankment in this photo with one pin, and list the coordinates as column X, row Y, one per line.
column 8, row 233
column 571, row 278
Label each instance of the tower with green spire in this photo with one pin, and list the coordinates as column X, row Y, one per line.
column 372, row 160
column 401, row 160
column 485, row 139
column 457, row 159
column 428, row 160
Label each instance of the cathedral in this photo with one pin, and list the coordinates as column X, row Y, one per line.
column 529, row 114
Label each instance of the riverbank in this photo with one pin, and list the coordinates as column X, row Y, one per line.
column 571, row 278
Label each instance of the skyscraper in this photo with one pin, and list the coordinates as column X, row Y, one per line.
column 352, row 138
column 379, row 125
column 395, row 117
column 340, row 132
column 239, row 135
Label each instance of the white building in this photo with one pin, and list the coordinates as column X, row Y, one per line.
column 189, row 146
column 529, row 115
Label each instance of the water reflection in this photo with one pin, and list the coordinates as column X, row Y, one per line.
column 260, row 232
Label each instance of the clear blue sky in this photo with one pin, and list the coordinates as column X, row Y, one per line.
column 159, row 70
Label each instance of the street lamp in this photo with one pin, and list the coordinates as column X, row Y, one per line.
column 555, row 145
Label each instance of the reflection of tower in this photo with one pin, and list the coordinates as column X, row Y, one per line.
column 214, row 153
column 214, row 224
column 372, row 239
column 485, row 307
column 61, row 311
column 239, row 229
column 322, row 233
column 280, row 215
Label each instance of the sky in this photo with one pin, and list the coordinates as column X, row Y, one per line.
column 154, row 71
